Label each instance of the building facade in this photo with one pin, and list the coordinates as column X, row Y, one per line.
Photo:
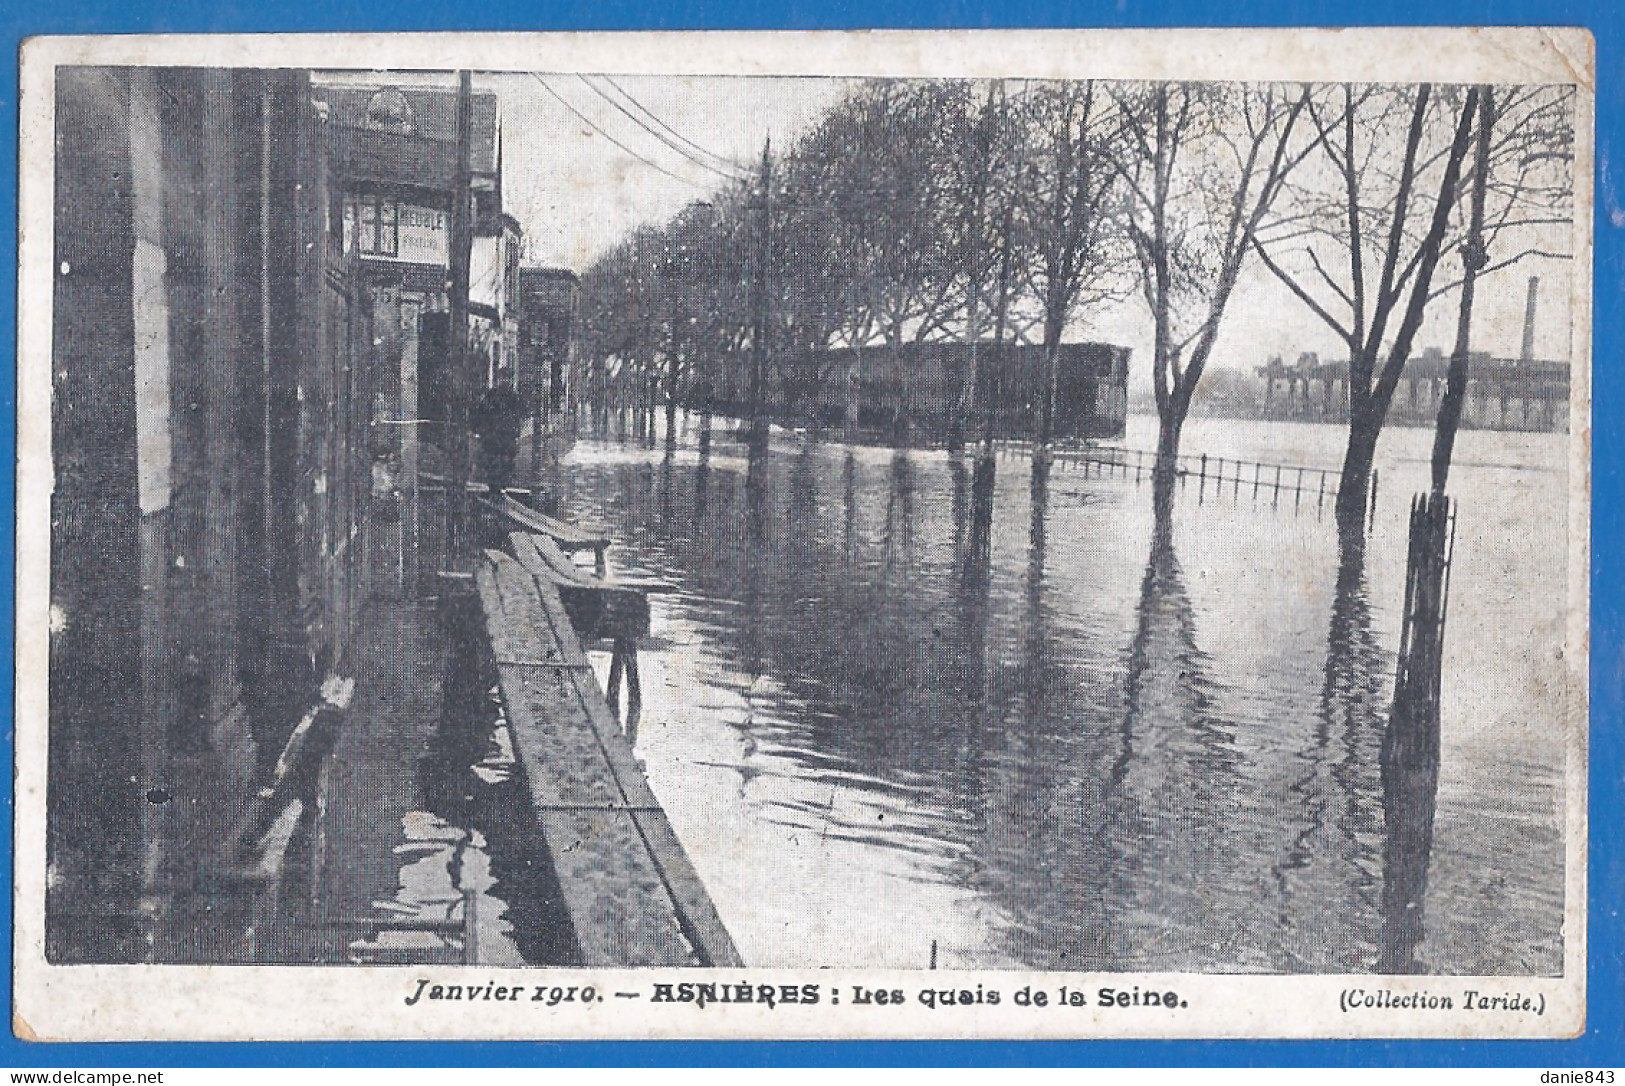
column 550, row 338
column 210, row 524
column 395, row 150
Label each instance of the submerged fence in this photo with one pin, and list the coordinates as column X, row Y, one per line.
column 1234, row 478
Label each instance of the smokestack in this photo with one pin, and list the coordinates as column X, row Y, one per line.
column 1527, row 354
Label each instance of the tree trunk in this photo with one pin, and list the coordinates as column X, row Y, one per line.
column 1046, row 396
column 1165, row 473
column 979, row 553
column 1473, row 259
column 1354, row 485
column 671, row 400
column 854, row 388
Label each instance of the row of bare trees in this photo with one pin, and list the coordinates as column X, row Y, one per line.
column 989, row 212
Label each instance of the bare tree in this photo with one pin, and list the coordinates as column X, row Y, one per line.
column 975, row 150
column 1066, row 191
column 1201, row 165
column 1362, row 239
column 1528, row 179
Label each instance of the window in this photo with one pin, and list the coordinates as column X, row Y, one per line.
column 378, row 226
column 388, row 213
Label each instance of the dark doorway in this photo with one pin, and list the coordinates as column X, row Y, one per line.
column 434, row 366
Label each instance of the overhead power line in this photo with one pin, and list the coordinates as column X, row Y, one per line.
column 589, row 123
column 666, row 141
column 641, row 108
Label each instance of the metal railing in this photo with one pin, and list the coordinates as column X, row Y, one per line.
column 1219, row 476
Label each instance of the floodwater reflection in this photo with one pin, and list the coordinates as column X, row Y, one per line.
column 896, row 699
column 1178, row 814
column 1328, row 877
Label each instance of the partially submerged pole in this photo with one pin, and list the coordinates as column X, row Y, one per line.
column 759, row 303
column 457, row 436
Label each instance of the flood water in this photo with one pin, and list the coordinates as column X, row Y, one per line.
column 1089, row 753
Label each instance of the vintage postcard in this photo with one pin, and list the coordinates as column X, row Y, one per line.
column 807, row 535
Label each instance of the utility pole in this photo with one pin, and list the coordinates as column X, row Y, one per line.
column 759, row 304
column 457, row 334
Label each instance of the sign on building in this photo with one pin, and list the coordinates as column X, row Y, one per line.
column 385, row 229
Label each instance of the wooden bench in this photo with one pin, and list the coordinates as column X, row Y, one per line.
column 597, row 609
column 428, row 480
column 630, row 890
column 569, row 538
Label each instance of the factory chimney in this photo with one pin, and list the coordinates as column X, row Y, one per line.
column 1527, row 354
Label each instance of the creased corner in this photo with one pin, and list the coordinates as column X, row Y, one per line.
column 21, row 1029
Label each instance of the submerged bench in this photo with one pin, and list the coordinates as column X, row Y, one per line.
column 597, row 609
column 569, row 538
column 630, row 890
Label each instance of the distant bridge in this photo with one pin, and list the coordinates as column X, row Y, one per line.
column 1502, row 393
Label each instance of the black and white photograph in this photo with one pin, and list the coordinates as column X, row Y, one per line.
column 881, row 529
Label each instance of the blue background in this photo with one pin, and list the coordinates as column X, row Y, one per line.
column 1603, row 1043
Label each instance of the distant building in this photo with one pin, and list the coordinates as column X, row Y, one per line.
column 550, row 335
column 395, row 151
column 924, row 389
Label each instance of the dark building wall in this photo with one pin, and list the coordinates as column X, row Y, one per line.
column 94, row 846
column 209, row 519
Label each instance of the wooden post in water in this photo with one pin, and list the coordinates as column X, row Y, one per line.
column 612, row 689
column 628, row 649
column 1297, row 492
column 1276, row 496
column 1258, row 470
column 1409, row 758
